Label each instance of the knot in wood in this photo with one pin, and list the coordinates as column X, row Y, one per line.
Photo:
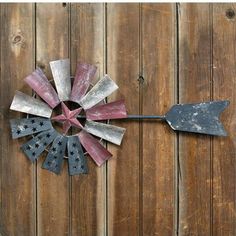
column 17, row 39
column 230, row 13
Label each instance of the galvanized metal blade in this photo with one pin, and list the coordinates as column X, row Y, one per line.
column 27, row 104
column 112, row 110
column 83, row 77
column 103, row 88
column 108, row 132
column 76, row 159
column 61, row 74
column 97, row 152
column 40, row 84
column 28, row 126
column 198, row 118
column 54, row 159
column 34, row 147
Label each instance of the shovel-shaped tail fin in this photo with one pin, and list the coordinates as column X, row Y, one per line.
column 198, row 118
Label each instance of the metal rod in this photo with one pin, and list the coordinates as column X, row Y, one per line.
column 135, row 117
column 145, row 117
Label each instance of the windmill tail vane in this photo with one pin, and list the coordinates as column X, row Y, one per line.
column 195, row 118
column 198, row 118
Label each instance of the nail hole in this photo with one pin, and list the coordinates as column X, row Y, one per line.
column 230, row 13
column 141, row 79
column 64, row 4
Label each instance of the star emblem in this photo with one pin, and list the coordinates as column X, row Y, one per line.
column 68, row 118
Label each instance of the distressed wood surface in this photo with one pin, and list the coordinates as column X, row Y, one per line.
column 194, row 150
column 88, row 203
column 53, row 199
column 123, row 168
column 158, row 54
column 157, row 182
column 224, row 162
column 18, row 209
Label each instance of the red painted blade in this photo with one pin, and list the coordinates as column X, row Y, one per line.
column 83, row 77
column 113, row 110
column 40, row 84
column 97, row 152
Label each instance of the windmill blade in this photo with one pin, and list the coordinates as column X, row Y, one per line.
column 198, row 118
column 103, row 88
column 83, row 77
column 97, row 152
column 76, row 158
column 40, row 84
column 112, row 110
column 34, row 147
column 108, row 132
column 54, row 159
column 61, row 75
column 26, row 104
column 28, row 126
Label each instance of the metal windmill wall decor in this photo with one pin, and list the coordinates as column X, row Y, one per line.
column 88, row 115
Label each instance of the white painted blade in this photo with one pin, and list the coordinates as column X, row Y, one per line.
column 61, row 75
column 111, row 133
column 103, row 88
column 27, row 104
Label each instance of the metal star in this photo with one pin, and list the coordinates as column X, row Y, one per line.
column 68, row 118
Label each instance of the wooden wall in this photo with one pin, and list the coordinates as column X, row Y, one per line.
column 158, row 182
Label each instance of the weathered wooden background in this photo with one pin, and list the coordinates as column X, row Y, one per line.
column 158, row 182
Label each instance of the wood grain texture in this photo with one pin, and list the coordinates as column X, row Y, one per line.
column 88, row 203
column 158, row 95
column 52, row 27
column 123, row 168
column 224, row 73
column 184, row 53
column 17, row 173
column 194, row 150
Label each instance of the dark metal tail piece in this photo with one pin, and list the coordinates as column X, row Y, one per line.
column 198, row 118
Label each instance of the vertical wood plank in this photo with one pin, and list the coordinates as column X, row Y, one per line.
column 52, row 27
column 123, row 167
column 88, row 206
column 194, row 150
column 224, row 73
column 17, row 173
column 158, row 92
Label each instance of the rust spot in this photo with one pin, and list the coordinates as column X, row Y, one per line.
column 230, row 13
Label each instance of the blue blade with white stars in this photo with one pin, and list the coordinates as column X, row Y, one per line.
column 54, row 159
column 76, row 159
column 28, row 126
column 34, row 147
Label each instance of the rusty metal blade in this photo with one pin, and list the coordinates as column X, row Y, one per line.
column 83, row 77
column 108, row 132
column 24, row 103
column 40, row 84
column 97, row 152
column 28, row 126
column 112, row 110
column 198, row 118
column 76, row 158
column 54, row 159
column 61, row 74
column 34, row 147
column 103, row 88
